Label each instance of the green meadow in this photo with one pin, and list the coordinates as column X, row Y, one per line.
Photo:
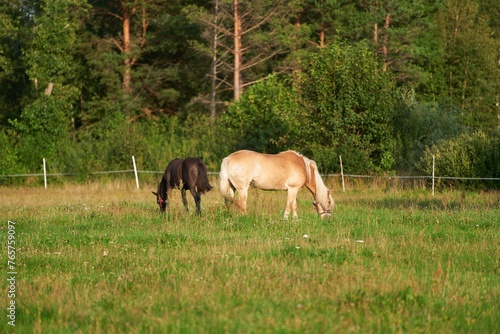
column 100, row 258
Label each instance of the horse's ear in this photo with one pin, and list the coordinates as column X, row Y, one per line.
column 156, row 194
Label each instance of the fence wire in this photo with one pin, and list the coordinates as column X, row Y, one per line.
column 217, row 173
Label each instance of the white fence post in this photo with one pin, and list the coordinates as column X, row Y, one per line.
column 135, row 172
column 44, row 174
column 433, row 165
column 342, row 173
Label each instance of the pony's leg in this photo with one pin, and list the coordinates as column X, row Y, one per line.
column 184, row 199
column 291, row 203
column 197, row 199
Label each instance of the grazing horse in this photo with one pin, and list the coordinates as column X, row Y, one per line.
column 283, row 171
column 192, row 172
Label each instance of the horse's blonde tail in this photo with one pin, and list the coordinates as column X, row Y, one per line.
column 226, row 188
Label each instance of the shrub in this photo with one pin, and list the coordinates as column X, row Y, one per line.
column 341, row 102
column 475, row 155
column 9, row 164
column 264, row 119
column 348, row 104
column 419, row 126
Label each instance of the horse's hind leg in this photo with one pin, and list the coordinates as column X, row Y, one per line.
column 242, row 199
column 229, row 196
column 197, row 199
column 184, row 199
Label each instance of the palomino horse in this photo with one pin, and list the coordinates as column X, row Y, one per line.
column 193, row 174
column 284, row 171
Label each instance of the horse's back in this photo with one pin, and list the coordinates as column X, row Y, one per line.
column 194, row 173
column 267, row 171
column 172, row 172
column 173, row 165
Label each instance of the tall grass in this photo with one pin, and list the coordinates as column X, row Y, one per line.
column 99, row 258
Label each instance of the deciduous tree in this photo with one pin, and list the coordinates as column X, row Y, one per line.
column 251, row 33
column 471, row 67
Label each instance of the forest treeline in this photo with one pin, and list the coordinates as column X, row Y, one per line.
column 385, row 84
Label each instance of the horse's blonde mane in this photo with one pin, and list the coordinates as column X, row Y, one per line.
column 320, row 187
column 307, row 161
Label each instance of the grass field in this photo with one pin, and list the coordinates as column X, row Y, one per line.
column 99, row 258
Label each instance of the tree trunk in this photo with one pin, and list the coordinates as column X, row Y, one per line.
column 127, row 63
column 322, row 36
column 237, row 52
column 213, row 93
column 385, row 41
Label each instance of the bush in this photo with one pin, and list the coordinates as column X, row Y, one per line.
column 340, row 103
column 419, row 126
column 10, row 163
column 348, row 104
column 475, row 155
column 264, row 119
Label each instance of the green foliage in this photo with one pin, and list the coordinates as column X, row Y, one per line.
column 471, row 63
column 8, row 33
column 341, row 103
column 48, row 112
column 12, row 77
column 10, row 161
column 50, row 57
column 419, row 126
column 264, row 119
column 111, row 144
column 347, row 106
column 43, row 128
column 475, row 155
column 337, row 100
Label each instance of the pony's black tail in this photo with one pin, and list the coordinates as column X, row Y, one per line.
column 202, row 183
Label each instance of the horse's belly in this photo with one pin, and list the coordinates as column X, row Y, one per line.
column 273, row 185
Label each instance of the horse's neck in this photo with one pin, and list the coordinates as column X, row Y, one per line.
column 163, row 187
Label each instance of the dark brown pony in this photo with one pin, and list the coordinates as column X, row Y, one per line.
column 192, row 173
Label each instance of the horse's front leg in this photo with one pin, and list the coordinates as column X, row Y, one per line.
column 184, row 199
column 291, row 203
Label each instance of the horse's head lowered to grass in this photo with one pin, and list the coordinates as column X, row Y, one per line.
column 323, row 200
column 161, row 196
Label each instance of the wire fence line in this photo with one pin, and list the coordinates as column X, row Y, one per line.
column 75, row 174
column 136, row 172
column 217, row 173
